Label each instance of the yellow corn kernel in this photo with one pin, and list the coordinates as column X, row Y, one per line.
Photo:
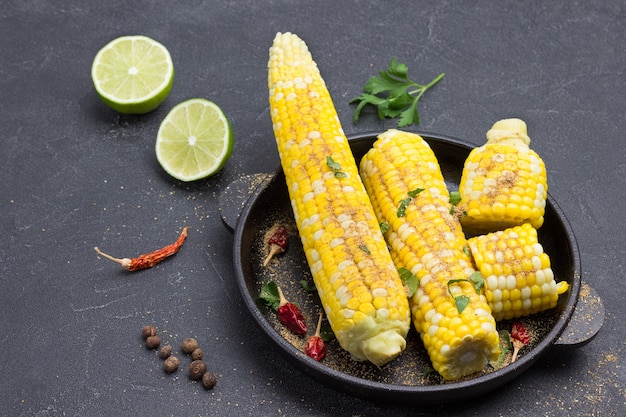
column 527, row 291
column 360, row 289
column 428, row 240
column 503, row 183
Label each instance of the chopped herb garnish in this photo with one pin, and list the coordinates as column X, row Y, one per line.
column 427, row 370
column 335, row 167
column 364, row 249
column 307, row 286
column 455, row 199
column 402, row 95
column 269, row 294
column 415, row 192
column 505, row 348
column 384, row 227
column 478, row 281
column 404, row 203
column 402, row 206
column 409, row 279
column 466, row 250
column 461, row 301
column 326, row 333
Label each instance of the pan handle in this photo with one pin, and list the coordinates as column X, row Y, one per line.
column 233, row 198
column 586, row 320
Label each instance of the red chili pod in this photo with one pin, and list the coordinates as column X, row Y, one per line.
column 277, row 241
column 289, row 314
column 519, row 337
column 315, row 346
column 148, row 260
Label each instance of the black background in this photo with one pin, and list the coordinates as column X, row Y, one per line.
column 75, row 174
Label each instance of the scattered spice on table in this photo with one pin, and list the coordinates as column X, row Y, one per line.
column 316, row 347
column 519, row 337
column 148, row 260
column 276, row 241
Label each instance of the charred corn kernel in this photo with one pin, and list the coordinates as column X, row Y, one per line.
column 518, row 277
column 428, row 240
column 358, row 284
column 503, row 183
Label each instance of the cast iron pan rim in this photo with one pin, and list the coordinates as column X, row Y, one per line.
column 451, row 391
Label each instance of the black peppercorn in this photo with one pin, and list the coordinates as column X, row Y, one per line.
column 196, row 355
column 153, row 342
column 189, row 345
column 165, row 352
column 209, row 380
column 147, row 331
column 171, row 364
column 197, row 369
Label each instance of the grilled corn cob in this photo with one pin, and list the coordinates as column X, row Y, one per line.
column 358, row 284
column 503, row 183
column 518, row 278
column 427, row 239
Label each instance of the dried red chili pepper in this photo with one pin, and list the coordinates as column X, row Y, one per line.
column 289, row 314
column 315, row 347
column 148, row 260
column 276, row 239
column 519, row 337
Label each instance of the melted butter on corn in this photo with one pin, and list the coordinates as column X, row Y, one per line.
column 361, row 292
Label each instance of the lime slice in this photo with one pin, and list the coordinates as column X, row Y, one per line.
column 194, row 140
column 133, row 74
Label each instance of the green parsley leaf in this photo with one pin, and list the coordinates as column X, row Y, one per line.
column 269, row 294
column 404, row 203
column 400, row 94
column 307, row 286
column 478, row 281
column 365, row 249
column 455, row 198
column 402, row 206
column 461, row 301
column 505, row 348
column 335, row 167
column 415, row 192
column 409, row 279
column 428, row 370
column 326, row 333
column 466, row 250
column 384, row 227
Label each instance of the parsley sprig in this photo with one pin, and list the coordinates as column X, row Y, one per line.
column 462, row 301
column 402, row 94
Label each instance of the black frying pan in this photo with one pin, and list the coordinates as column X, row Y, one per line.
column 252, row 204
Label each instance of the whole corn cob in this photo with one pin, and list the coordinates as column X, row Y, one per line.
column 358, row 284
column 427, row 239
column 503, row 183
column 518, row 278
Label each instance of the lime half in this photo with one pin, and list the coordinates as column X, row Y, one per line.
column 133, row 74
column 194, row 140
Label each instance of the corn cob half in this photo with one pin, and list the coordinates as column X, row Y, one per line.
column 503, row 183
column 359, row 287
column 518, row 278
column 427, row 239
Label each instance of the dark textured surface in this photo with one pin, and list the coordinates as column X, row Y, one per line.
column 76, row 174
